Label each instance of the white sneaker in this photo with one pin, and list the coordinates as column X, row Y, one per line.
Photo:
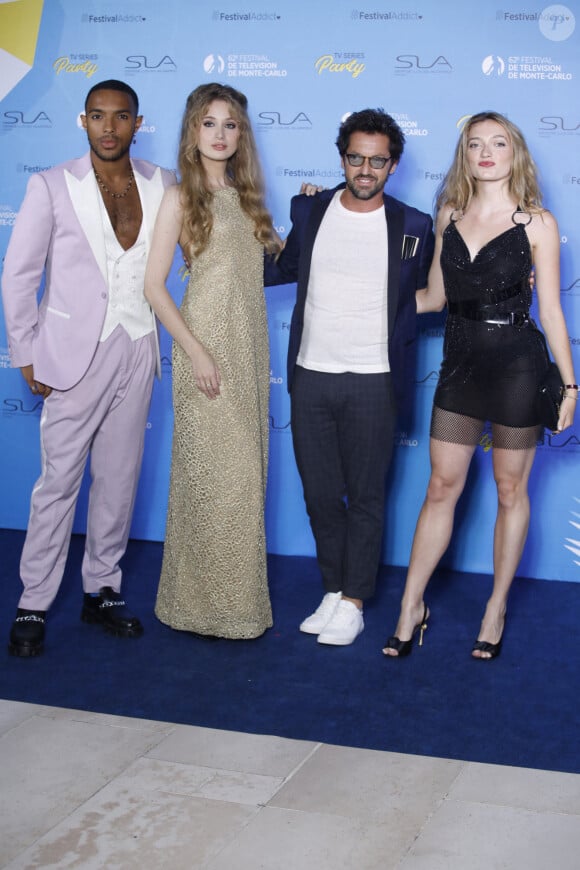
column 314, row 623
column 345, row 625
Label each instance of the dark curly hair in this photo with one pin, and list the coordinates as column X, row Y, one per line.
column 371, row 121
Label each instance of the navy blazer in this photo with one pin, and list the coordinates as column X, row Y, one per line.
column 407, row 272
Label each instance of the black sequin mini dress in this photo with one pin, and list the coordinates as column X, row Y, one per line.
column 490, row 371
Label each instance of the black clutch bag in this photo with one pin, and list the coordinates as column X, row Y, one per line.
column 550, row 397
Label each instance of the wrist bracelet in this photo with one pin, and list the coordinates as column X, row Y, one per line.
column 570, row 386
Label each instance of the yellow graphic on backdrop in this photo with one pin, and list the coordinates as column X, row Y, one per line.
column 19, row 26
column 64, row 64
column 328, row 63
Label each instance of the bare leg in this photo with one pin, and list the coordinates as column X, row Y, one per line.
column 449, row 467
column 512, row 471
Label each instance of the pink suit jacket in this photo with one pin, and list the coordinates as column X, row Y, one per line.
column 58, row 232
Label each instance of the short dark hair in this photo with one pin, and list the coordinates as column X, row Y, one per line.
column 371, row 121
column 114, row 85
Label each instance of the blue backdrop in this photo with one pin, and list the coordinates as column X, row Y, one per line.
column 303, row 66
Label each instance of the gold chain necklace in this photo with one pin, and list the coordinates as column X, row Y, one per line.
column 104, row 187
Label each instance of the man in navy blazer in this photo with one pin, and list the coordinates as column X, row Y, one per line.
column 358, row 256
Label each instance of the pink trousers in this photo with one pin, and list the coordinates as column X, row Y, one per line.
column 104, row 415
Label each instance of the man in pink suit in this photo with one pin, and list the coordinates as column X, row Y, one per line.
column 90, row 349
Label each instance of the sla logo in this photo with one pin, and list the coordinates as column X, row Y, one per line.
column 18, row 119
column 557, row 23
column 493, row 65
column 270, row 120
column 18, row 406
column 408, row 62
column 141, row 61
column 214, row 63
column 555, row 123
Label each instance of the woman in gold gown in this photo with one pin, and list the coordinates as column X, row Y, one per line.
column 213, row 579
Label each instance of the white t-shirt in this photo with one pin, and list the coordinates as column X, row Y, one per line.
column 345, row 317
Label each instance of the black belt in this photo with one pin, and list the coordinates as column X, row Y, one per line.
column 483, row 315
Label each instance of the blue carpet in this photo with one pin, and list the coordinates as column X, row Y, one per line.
column 521, row 709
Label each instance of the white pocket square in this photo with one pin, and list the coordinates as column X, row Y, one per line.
column 410, row 245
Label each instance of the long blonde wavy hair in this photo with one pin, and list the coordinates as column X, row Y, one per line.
column 458, row 187
column 243, row 170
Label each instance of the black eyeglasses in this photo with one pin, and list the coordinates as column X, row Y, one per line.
column 374, row 162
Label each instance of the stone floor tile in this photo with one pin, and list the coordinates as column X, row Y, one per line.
column 241, row 788
column 230, row 750
column 369, row 785
column 469, row 836
column 278, row 839
column 50, row 766
column 107, row 719
column 150, row 774
column 71, row 714
column 126, row 828
column 169, row 777
column 540, row 790
column 12, row 713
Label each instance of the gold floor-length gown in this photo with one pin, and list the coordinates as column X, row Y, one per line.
column 213, row 579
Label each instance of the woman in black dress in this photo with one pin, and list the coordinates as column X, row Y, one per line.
column 491, row 230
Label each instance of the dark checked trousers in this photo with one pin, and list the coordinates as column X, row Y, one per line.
column 342, row 430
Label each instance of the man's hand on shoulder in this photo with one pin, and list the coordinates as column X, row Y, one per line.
column 311, row 189
column 36, row 387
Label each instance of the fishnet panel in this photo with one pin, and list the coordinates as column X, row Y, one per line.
column 455, row 428
column 459, row 429
column 514, row 437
